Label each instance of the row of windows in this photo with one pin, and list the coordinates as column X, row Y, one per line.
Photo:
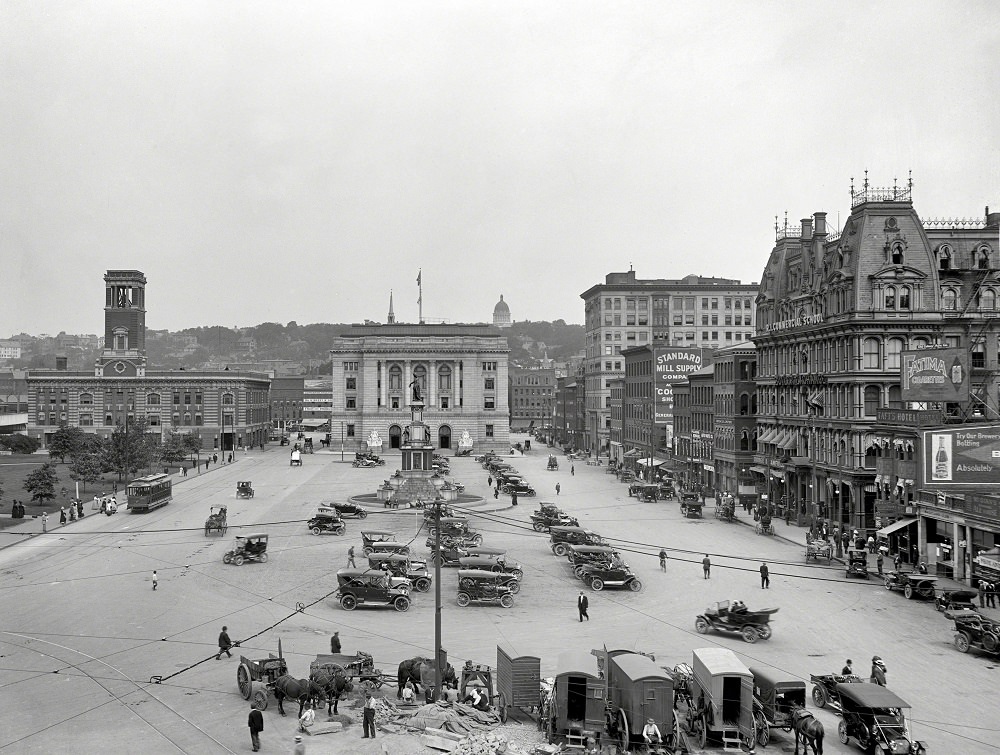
column 152, row 399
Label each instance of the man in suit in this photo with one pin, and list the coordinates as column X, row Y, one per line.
column 256, row 724
column 582, row 603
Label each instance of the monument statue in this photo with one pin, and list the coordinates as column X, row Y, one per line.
column 415, row 385
column 374, row 439
column 465, row 440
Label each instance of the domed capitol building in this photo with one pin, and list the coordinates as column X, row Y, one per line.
column 501, row 314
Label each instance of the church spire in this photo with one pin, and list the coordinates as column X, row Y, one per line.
column 392, row 318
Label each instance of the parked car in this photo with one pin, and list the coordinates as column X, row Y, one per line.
column 518, row 488
column 356, row 587
column 913, row 585
column 857, row 564
column 483, row 587
column 956, row 600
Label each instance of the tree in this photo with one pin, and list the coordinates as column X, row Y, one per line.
column 42, row 483
column 192, row 443
column 129, row 449
column 85, row 467
column 65, row 441
column 174, row 450
column 19, row 444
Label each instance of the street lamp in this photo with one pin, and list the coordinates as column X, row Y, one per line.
column 438, row 482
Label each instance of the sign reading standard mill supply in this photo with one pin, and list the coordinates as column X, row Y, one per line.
column 961, row 458
column 672, row 366
column 935, row 375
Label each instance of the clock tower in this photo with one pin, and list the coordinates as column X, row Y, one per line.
column 124, row 353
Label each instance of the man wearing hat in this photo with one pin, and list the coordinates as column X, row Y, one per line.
column 878, row 671
column 300, row 746
column 650, row 733
column 368, row 720
column 256, row 724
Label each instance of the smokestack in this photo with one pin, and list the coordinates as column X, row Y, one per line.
column 820, row 223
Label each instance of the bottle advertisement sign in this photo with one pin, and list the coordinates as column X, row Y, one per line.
column 672, row 366
column 935, row 375
column 965, row 458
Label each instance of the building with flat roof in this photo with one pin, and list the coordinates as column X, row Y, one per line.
column 532, row 397
column 459, row 371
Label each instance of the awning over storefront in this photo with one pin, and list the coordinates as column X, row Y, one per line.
column 895, row 526
column 787, row 439
column 770, row 434
column 313, row 423
column 631, row 453
column 645, row 460
column 759, row 470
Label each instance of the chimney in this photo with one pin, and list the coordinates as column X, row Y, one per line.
column 820, row 223
column 807, row 228
column 62, row 363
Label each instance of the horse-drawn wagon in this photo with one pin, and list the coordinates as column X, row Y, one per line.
column 639, row 692
column 775, row 696
column 518, row 683
column 359, row 667
column 256, row 678
column 216, row 521
column 817, row 549
column 722, row 690
column 574, row 709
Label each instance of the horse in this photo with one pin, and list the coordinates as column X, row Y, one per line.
column 809, row 728
column 411, row 671
column 335, row 685
column 303, row 690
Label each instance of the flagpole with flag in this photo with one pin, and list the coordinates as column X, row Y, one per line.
column 420, row 297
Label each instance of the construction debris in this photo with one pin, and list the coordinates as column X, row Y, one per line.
column 487, row 743
column 455, row 717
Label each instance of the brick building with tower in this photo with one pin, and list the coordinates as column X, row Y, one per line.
column 226, row 409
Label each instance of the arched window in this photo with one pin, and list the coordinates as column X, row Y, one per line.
column 227, row 399
column 152, row 399
column 904, row 297
column 444, row 377
column 944, row 257
column 896, row 256
column 744, row 441
column 949, row 299
column 890, row 297
column 893, row 348
column 988, row 299
column 744, row 404
column 86, row 399
column 895, row 397
column 919, row 342
column 753, row 404
column 120, row 336
column 872, row 400
column 187, row 418
column 395, row 378
column 983, row 258
column 872, row 354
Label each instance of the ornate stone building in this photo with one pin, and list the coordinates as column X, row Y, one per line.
column 459, row 371
column 835, row 311
column 225, row 408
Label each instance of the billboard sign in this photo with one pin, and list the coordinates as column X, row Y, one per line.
column 966, row 457
column 935, row 375
column 672, row 366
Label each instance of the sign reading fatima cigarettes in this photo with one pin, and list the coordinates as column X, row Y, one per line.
column 935, row 375
column 672, row 366
column 964, row 458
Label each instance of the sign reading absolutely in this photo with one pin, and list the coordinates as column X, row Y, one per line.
column 961, row 458
column 935, row 375
column 672, row 366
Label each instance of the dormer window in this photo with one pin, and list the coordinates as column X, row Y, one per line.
column 944, row 257
column 896, row 254
column 983, row 258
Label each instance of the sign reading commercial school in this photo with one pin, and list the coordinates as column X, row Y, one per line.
column 962, row 458
column 672, row 366
column 934, row 375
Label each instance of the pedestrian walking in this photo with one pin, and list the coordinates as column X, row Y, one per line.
column 154, row 579
column 335, row 643
column 224, row 644
column 572, row 470
column 871, row 544
column 45, row 522
column 496, row 492
column 706, row 566
column 489, row 481
column 663, row 560
column 879, row 560
column 256, row 723
column 215, row 458
column 897, row 561
column 300, row 746
column 878, row 671
column 581, row 605
column 368, row 717
column 230, row 458
column 848, row 669
column 513, row 499
column 79, row 509
column 765, row 577
column 991, row 595
column 982, row 593
column 62, row 515
column 350, row 558
column 558, row 488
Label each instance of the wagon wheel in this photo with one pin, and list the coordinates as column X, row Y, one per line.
column 238, row 560
column 507, row 601
column 477, row 540
column 243, row 680
column 820, row 696
column 501, row 705
column 702, row 727
column 259, row 696
column 749, row 634
column 761, row 730
column 224, row 528
column 623, row 733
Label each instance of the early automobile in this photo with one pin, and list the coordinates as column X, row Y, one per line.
column 247, row 548
column 326, row 522
column 912, row 584
column 973, row 630
column 873, row 716
column 956, row 600
column 387, row 548
column 484, row 587
column 518, row 488
column 482, row 563
column 553, row 463
column 824, row 691
column 356, row 587
column 560, row 538
column 496, row 556
column 544, row 518
column 599, row 576
column 690, row 504
column 448, row 555
column 857, row 564
column 584, row 555
column 244, row 489
column 453, row 527
column 401, row 565
column 736, row 618
column 350, row 509
column 375, row 536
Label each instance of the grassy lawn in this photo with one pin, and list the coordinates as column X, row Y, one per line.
column 13, row 470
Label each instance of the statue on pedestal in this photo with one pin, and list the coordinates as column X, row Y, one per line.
column 415, row 385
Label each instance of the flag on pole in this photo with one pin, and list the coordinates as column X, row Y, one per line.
column 419, row 273
column 420, row 294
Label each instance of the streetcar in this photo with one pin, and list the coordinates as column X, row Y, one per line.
column 148, row 493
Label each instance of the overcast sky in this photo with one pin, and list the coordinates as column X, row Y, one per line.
column 277, row 161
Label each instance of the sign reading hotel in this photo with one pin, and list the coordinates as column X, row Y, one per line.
column 672, row 366
column 935, row 375
column 961, row 458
